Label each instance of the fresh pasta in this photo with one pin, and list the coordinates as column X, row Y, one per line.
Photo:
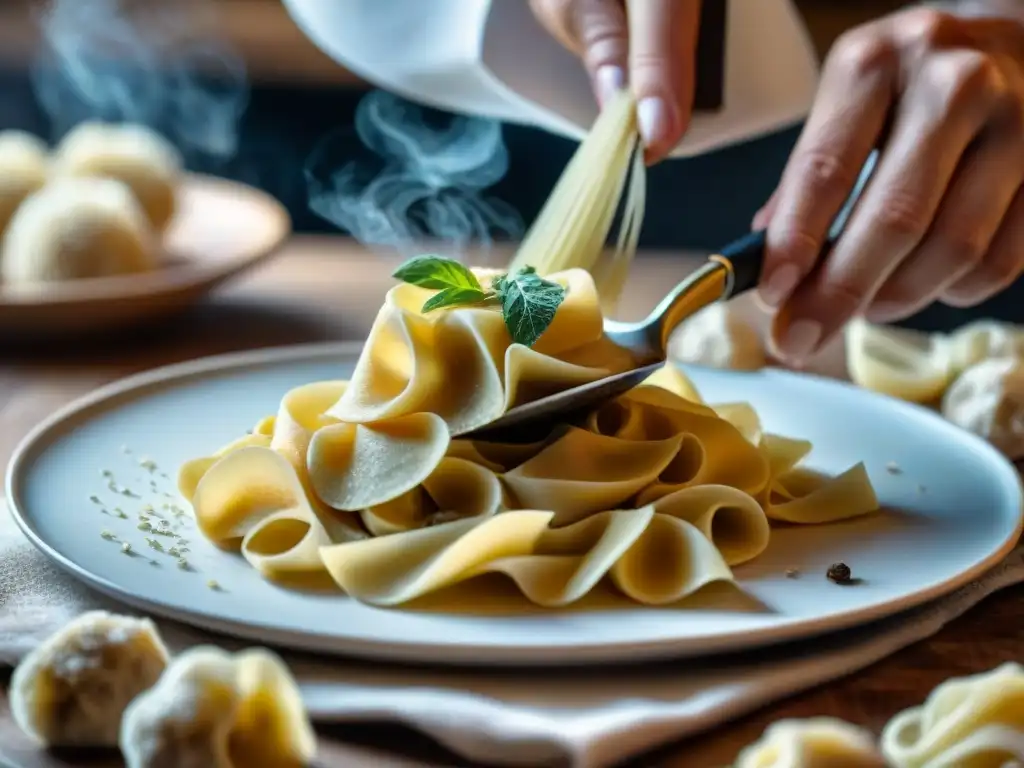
column 572, row 228
column 969, row 722
column 816, row 743
column 378, row 485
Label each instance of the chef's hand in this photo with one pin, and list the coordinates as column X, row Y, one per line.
column 654, row 52
column 943, row 215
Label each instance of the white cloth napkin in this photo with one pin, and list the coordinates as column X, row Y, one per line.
column 587, row 718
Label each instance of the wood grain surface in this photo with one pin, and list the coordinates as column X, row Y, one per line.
column 329, row 289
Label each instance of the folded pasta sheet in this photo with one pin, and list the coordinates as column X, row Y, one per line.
column 373, row 485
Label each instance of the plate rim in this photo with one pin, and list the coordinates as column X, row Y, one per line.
column 161, row 281
column 471, row 655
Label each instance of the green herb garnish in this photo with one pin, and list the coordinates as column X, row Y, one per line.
column 527, row 301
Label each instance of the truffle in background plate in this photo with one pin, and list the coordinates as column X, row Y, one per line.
column 77, row 228
column 133, row 154
column 24, row 160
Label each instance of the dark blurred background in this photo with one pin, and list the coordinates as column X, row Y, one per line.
column 298, row 95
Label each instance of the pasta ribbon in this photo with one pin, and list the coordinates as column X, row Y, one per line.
column 968, row 722
column 653, row 559
column 376, row 487
column 816, row 743
column 462, row 365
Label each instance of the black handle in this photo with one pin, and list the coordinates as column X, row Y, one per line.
column 747, row 258
column 747, row 254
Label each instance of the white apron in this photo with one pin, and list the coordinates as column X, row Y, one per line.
column 490, row 58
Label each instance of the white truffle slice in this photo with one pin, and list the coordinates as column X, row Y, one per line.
column 988, row 400
column 133, row 154
column 814, row 743
column 76, row 228
column 73, row 689
column 984, row 339
column 24, row 160
column 184, row 721
column 214, row 710
column 717, row 337
column 898, row 362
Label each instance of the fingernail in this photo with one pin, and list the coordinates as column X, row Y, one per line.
column 610, row 80
column 652, row 118
column 800, row 339
column 777, row 286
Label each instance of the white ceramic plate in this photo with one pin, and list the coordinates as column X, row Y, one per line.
column 959, row 512
column 220, row 229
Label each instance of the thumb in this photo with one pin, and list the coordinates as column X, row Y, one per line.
column 596, row 31
column 662, row 58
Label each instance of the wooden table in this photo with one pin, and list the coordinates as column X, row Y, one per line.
column 327, row 289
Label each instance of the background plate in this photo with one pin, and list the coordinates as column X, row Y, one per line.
column 220, row 229
column 956, row 511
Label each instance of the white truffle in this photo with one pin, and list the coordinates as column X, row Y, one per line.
column 133, row 154
column 24, row 160
column 982, row 340
column 988, row 400
column 717, row 337
column 76, row 228
column 185, row 719
column 814, row 743
column 214, row 710
column 73, row 689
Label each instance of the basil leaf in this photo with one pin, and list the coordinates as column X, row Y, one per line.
column 528, row 304
column 452, row 297
column 437, row 272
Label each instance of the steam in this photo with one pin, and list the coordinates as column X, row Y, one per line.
column 140, row 62
column 426, row 182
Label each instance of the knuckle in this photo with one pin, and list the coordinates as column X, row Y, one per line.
column 1010, row 115
column 600, row 29
column 978, row 76
column 862, row 54
column 794, row 244
column 647, row 63
column 929, row 28
column 825, row 172
column 846, row 293
column 964, row 80
column 903, row 219
column 964, row 249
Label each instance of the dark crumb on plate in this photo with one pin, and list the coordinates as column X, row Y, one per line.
column 839, row 573
column 792, row 573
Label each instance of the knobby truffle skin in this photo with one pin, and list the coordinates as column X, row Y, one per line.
column 72, row 690
column 839, row 573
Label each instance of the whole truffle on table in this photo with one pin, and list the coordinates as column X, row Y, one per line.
column 135, row 155
column 73, row 229
column 73, row 688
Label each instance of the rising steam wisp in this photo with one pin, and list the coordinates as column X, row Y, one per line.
column 427, row 183
column 140, row 62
